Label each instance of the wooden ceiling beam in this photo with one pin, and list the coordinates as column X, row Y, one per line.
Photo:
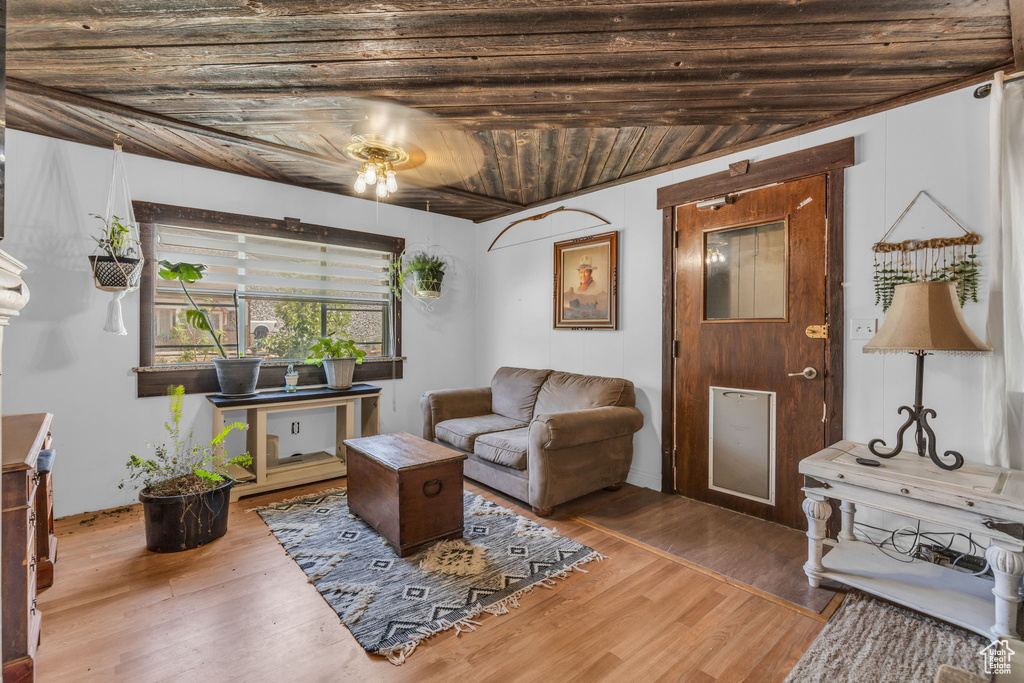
column 774, row 137
column 84, row 23
column 16, row 87
column 918, row 30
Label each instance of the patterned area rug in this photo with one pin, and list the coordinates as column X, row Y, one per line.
column 391, row 604
column 869, row 641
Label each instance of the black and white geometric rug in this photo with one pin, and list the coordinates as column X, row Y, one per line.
column 391, row 604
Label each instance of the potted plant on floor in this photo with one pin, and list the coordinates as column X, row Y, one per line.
column 236, row 376
column 339, row 358
column 185, row 486
column 118, row 265
column 427, row 273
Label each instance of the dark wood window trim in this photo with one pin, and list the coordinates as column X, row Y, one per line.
column 201, row 377
column 830, row 160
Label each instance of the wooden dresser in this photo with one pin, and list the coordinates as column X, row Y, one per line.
column 23, row 437
column 13, row 297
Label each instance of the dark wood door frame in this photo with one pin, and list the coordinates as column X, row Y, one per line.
column 830, row 159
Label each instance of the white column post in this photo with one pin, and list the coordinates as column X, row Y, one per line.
column 849, row 510
column 817, row 510
column 1008, row 567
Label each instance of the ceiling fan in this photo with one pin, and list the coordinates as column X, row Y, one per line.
column 388, row 138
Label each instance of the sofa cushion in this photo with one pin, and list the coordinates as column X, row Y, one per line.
column 514, row 391
column 564, row 391
column 506, row 448
column 462, row 432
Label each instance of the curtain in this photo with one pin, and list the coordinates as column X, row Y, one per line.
column 1003, row 403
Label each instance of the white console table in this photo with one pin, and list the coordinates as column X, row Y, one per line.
column 985, row 501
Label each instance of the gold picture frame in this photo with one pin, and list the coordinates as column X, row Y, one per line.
column 586, row 283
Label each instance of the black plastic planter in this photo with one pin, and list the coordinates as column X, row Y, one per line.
column 175, row 523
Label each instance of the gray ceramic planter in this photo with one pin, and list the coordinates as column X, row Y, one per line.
column 238, row 376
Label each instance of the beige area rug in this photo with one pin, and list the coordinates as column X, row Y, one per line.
column 869, row 641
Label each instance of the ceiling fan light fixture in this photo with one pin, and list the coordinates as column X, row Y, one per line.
column 392, row 181
column 370, row 173
column 382, row 190
column 360, row 184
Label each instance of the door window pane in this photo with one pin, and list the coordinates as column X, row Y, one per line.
column 745, row 273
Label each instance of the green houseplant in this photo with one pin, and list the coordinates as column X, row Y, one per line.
column 118, row 265
column 338, row 357
column 185, row 488
column 427, row 273
column 236, row 376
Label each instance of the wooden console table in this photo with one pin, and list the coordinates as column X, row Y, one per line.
column 981, row 500
column 263, row 475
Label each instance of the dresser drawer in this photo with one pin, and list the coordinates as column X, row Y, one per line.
column 18, row 488
column 19, row 581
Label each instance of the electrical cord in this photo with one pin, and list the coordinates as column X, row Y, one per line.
column 906, row 554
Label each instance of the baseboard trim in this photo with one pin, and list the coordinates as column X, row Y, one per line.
column 647, row 481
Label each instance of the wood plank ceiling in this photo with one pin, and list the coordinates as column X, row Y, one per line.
column 562, row 97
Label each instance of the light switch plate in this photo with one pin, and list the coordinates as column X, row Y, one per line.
column 863, row 328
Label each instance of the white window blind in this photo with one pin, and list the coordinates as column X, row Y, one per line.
column 272, row 267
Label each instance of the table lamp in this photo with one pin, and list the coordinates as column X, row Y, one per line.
column 924, row 318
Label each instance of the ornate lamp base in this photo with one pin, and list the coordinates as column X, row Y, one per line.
column 923, row 433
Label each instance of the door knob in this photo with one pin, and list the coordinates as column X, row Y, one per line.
column 807, row 373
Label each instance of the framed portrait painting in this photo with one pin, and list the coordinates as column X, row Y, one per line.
column 586, row 282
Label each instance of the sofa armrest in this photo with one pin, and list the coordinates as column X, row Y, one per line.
column 449, row 404
column 553, row 431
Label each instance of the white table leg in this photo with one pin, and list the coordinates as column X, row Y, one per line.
column 818, row 510
column 1008, row 567
column 849, row 510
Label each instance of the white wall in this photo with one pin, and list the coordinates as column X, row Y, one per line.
column 939, row 145
column 58, row 359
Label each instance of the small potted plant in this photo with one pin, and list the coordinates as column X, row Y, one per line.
column 236, row 376
column 427, row 273
column 118, row 266
column 185, row 487
column 339, row 358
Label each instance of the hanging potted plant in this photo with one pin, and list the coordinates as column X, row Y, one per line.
column 427, row 273
column 339, row 358
column 118, row 266
column 236, row 376
column 185, row 488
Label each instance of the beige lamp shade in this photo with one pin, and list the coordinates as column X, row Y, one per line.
column 926, row 316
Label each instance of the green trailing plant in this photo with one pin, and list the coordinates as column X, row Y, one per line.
column 328, row 347
column 181, row 466
column 426, row 269
column 886, row 278
column 192, row 273
column 115, row 238
column 965, row 273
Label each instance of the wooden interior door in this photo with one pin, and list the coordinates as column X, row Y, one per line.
column 750, row 279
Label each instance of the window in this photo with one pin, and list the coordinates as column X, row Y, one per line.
column 295, row 283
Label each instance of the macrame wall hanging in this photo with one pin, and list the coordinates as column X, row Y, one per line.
column 939, row 259
column 117, row 262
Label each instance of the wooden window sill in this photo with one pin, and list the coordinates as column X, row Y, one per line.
column 201, row 378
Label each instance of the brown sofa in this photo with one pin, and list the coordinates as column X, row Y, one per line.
column 541, row 436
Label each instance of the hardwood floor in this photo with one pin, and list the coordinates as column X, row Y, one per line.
column 241, row 609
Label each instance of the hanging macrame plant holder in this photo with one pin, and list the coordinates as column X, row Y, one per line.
column 940, row 259
column 117, row 263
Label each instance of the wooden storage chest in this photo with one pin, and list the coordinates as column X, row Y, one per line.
column 408, row 489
